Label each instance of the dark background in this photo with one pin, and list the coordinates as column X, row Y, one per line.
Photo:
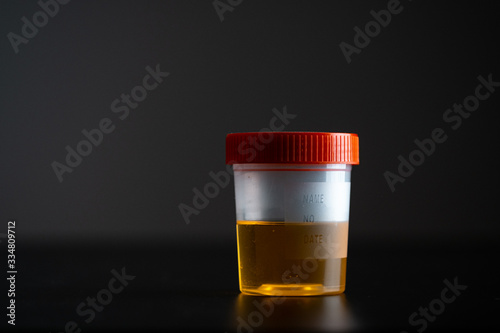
column 119, row 207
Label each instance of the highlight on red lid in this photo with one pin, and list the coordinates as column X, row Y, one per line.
column 292, row 147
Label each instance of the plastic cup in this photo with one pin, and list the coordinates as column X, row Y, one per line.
column 292, row 192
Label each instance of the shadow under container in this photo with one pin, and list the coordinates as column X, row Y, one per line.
column 292, row 192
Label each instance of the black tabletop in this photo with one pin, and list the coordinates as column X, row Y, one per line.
column 398, row 286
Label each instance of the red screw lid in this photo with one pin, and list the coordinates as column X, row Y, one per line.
column 292, row 147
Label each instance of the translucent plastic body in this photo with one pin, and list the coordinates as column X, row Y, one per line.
column 292, row 227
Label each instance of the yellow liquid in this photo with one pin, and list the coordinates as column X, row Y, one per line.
column 292, row 259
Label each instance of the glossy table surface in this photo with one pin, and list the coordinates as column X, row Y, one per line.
column 410, row 286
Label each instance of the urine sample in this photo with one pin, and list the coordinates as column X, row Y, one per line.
column 292, row 192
